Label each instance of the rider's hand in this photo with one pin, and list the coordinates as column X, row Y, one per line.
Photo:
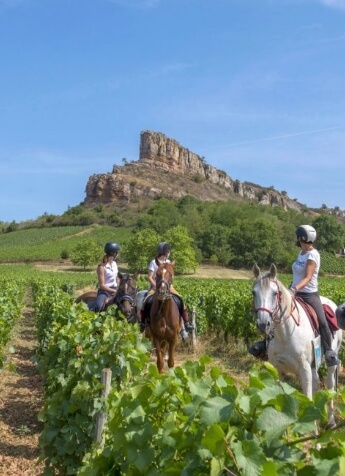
column 293, row 290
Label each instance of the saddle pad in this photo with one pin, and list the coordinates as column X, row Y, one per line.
column 329, row 313
column 331, row 317
column 310, row 313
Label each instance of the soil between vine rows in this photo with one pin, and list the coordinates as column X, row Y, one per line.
column 20, row 402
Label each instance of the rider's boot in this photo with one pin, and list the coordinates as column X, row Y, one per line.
column 259, row 350
column 188, row 326
column 331, row 356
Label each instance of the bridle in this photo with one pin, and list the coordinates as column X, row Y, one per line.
column 124, row 295
column 163, row 285
column 275, row 314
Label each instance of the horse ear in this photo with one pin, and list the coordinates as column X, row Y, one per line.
column 120, row 275
column 136, row 275
column 173, row 263
column 273, row 270
column 256, row 270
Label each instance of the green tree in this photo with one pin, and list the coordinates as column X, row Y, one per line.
column 330, row 233
column 215, row 241
column 141, row 249
column 85, row 253
column 161, row 216
column 182, row 249
column 256, row 241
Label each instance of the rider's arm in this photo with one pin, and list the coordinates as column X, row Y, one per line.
column 310, row 270
column 150, row 279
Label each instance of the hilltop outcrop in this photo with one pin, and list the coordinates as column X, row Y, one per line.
column 166, row 169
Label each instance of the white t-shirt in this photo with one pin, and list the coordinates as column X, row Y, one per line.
column 110, row 274
column 299, row 269
column 153, row 267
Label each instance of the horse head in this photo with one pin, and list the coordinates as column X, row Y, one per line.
column 125, row 298
column 266, row 297
column 164, row 279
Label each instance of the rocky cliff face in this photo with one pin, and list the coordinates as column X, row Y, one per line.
column 165, row 168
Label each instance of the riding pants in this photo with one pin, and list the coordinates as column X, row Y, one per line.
column 102, row 296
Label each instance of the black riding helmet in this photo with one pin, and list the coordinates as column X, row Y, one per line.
column 163, row 248
column 111, row 248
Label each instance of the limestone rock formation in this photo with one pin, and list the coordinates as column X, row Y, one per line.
column 165, row 168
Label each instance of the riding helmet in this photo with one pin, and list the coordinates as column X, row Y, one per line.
column 306, row 233
column 111, row 248
column 163, row 248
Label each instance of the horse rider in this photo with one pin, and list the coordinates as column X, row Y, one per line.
column 305, row 272
column 163, row 254
column 107, row 275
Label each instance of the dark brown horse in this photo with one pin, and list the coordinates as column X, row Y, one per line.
column 125, row 297
column 165, row 322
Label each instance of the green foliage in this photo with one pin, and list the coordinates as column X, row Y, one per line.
column 75, row 345
column 86, row 253
column 330, row 234
column 182, row 249
column 141, row 249
column 196, row 420
column 11, row 302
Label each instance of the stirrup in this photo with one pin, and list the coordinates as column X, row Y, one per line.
column 188, row 326
column 184, row 334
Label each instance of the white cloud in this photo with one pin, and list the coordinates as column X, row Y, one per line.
column 334, row 3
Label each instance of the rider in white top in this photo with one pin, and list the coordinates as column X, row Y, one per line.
column 304, row 285
column 163, row 253
column 107, row 273
column 299, row 270
column 153, row 266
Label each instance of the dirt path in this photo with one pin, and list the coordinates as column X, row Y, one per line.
column 20, row 402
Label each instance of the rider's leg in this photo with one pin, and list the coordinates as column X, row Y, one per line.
column 314, row 300
column 183, row 310
column 100, row 300
column 145, row 309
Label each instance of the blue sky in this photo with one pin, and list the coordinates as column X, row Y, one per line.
column 254, row 86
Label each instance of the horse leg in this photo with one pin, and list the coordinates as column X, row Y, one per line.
column 172, row 347
column 159, row 355
column 306, row 379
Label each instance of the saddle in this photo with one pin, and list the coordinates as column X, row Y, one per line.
column 312, row 316
column 148, row 304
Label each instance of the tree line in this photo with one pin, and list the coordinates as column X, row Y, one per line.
column 234, row 234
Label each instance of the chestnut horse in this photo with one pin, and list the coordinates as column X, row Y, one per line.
column 125, row 297
column 165, row 324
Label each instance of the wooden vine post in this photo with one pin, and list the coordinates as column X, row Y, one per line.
column 102, row 415
column 194, row 337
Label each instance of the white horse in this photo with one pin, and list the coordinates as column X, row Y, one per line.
column 286, row 324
